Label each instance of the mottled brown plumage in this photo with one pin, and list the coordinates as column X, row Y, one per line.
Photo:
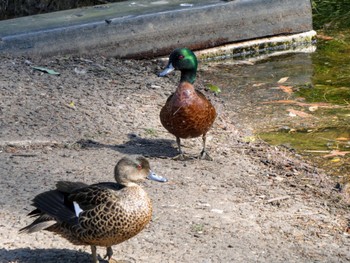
column 187, row 113
column 103, row 214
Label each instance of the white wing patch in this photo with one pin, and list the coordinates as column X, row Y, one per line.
column 77, row 209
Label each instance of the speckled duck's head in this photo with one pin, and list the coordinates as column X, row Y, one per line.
column 185, row 60
column 131, row 170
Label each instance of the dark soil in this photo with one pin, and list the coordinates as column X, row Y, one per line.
column 253, row 203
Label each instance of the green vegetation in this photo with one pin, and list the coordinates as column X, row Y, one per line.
column 323, row 139
column 326, row 138
column 331, row 13
column 151, row 132
column 331, row 78
column 198, row 228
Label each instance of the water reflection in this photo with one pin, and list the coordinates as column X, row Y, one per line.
column 299, row 100
column 254, row 91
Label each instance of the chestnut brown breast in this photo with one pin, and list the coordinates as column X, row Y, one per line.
column 187, row 112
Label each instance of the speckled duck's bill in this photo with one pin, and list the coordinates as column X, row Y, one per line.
column 167, row 70
column 153, row 176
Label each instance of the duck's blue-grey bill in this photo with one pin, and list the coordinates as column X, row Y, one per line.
column 153, row 176
column 167, row 70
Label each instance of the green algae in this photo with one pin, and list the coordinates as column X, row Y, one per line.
column 325, row 138
column 311, row 140
column 328, row 148
column 331, row 78
column 319, row 88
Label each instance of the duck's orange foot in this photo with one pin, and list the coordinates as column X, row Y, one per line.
column 204, row 156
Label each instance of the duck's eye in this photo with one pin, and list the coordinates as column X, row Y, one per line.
column 139, row 167
column 181, row 57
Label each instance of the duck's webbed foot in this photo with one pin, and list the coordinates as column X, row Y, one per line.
column 181, row 157
column 204, row 156
column 109, row 254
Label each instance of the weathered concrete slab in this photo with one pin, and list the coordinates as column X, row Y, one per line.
column 261, row 48
column 141, row 29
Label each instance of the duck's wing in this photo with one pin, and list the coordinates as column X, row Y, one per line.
column 94, row 206
column 51, row 207
column 43, row 221
column 65, row 204
column 89, row 197
column 55, row 204
column 69, row 187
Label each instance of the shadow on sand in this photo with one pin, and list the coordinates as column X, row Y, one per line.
column 53, row 255
column 159, row 148
column 28, row 255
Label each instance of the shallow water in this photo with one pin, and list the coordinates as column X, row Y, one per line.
column 299, row 100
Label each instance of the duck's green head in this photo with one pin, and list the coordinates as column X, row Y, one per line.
column 185, row 60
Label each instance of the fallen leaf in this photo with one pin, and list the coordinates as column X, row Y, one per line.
column 294, row 113
column 258, row 84
column 46, row 70
column 214, row 89
column 246, row 62
column 79, row 71
column 324, row 37
column 282, row 80
column 303, row 104
column 249, row 139
column 280, row 102
column 218, row 211
column 336, row 153
column 315, row 151
column 278, row 199
column 313, row 108
column 286, row 89
column 344, row 139
column 71, row 104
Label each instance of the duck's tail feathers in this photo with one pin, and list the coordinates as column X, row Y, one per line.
column 51, row 207
column 41, row 223
column 56, row 204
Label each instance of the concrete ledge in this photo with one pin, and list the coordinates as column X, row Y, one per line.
column 152, row 28
column 261, row 48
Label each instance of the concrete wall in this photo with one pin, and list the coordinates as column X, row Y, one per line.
column 130, row 30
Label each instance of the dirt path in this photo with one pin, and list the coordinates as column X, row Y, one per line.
column 253, row 203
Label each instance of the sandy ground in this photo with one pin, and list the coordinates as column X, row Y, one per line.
column 253, row 203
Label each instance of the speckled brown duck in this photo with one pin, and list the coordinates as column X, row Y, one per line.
column 187, row 113
column 102, row 214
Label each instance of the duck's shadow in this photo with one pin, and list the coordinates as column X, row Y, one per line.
column 159, row 148
column 28, row 255
column 53, row 255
